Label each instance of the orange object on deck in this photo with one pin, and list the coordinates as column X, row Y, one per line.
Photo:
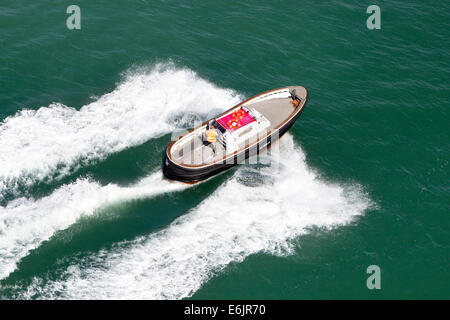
column 211, row 135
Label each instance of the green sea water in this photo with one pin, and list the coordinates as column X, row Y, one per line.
column 362, row 178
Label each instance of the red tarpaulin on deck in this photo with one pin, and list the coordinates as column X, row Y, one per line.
column 235, row 120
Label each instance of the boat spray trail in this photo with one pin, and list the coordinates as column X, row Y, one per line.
column 260, row 209
column 49, row 143
column 26, row 223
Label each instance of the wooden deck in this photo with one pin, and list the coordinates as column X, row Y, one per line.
column 195, row 152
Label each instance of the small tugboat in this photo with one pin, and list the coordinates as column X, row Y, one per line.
column 240, row 132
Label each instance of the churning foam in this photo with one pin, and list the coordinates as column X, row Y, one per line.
column 53, row 141
column 257, row 210
column 25, row 223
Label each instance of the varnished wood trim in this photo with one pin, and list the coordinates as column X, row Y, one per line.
column 237, row 152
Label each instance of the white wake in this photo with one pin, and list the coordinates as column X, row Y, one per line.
column 54, row 141
column 26, row 223
column 257, row 210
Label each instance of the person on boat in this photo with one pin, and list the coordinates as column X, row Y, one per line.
column 295, row 102
column 211, row 137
